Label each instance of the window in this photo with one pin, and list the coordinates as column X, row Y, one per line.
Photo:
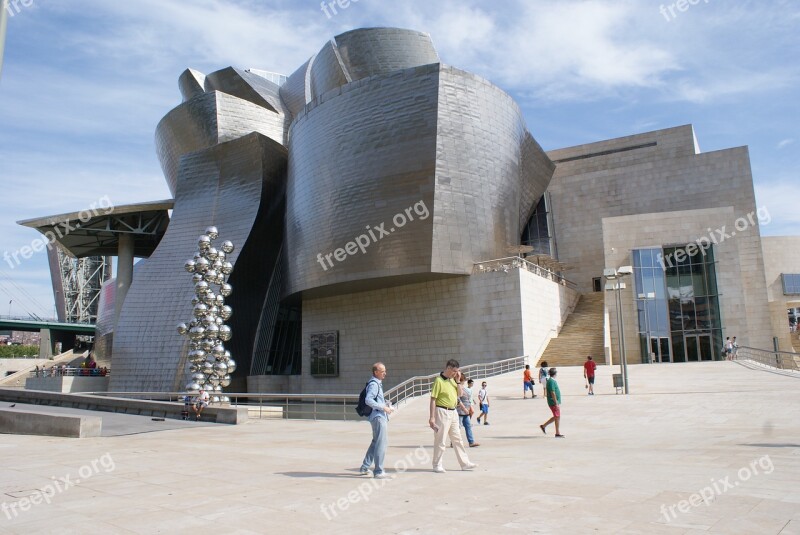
column 791, row 283
column 597, row 284
column 325, row 354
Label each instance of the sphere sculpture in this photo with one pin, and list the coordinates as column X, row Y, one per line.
column 210, row 364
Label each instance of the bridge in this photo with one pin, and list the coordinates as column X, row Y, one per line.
column 51, row 332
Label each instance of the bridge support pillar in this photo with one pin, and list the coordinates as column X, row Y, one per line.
column 45, row 344
column 124, row 272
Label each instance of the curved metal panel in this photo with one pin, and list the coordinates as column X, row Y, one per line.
column 209, row 119
column 191, row 83
column 355, row 160
column 327, row 71
column 246, row 86
column 535, row 174
column 371, row 51
column 293, row 92
column 225, row 186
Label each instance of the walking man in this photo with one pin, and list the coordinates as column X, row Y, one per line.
column 527, row 382
column 553, row 401
column 483, row 401
column 379, row 420
column 466, row 415
column 589, row 368
column 443, row 421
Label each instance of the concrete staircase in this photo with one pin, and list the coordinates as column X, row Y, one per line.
column 581, row 335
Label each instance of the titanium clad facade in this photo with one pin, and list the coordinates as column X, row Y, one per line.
column 225, row 185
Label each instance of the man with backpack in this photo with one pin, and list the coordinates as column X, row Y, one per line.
column 378, row 411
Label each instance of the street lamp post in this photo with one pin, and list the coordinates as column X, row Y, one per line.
column 616, row 275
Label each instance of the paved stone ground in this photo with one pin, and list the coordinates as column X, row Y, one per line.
column 721, row 429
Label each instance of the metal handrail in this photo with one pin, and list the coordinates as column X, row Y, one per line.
column 782, row 360
column 421, row 385
column 516, row 262
column 326, row 406
column 70, row 372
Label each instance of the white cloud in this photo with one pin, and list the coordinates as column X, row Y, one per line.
column 780, row 198
column 785, row 143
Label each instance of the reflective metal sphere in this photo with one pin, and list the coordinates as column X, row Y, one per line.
column 227, row 268
column 196, row 333
column 213, row 330
column 203, row 242
column 210, row 275
column 202, row 265
column 201, row 288
column 208, row 344
column 209, row 298
column 200, row 310
column 218, row 350
column 226, row 312
column 217, row 388
column 216, row 399
column 219, row 321
column 227, row 246
column 212, row 254
column 194, row 368
column 189, row 266
column 207, row 368
column 213, row 379
column 217, row 264
column 182, row 329
column 225, row 333
column 212, row 232
column 219, row 300
column 226, row 289
column 226, row 380
column 224, row 399
column 197, row 277
column 220, row 369
column 231, row 366
column 192, row 387
column 197, row 377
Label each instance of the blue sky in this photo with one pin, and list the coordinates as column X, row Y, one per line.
column 84, row 83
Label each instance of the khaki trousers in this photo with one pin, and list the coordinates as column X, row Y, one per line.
column 447, row 422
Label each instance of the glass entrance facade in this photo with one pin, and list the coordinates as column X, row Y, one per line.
column 678, row 305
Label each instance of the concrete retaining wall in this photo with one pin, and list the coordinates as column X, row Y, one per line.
column 158, row 409
column 53, row 425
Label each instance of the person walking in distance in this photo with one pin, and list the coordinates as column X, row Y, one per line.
column 527, row 382
column 554, row 402
column 543, row 378
column 465, row 396
column 379, row 420
column 443, row 421
column 589, row 368
column 483, row 401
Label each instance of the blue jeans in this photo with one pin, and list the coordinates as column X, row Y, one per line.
column 467, row 424
column 377, row 448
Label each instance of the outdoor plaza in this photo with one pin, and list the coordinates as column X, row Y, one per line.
column 710, row 447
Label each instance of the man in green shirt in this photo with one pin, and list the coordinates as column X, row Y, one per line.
column 443, row 418
column 553, row 394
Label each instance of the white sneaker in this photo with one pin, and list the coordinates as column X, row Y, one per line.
column 439, row 469
column 365, row 472
column 470, row 466
column 383, row 475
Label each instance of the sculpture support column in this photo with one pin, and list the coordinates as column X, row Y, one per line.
column 124, row 272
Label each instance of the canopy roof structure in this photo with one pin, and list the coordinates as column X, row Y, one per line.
column 97, row 231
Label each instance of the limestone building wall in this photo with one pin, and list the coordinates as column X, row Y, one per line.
column 781, row 255
column 645, row 178
column 414, row 329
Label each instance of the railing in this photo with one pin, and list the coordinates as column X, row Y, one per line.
column 70, row 372
column 782, row 360
column 421, row 385
column 515, row 262
column 325, row 406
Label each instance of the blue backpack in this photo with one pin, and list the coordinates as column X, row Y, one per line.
column 362, row 409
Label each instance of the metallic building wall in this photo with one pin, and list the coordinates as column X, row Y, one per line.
column 294, row 92
column 327, row 70
column 356, row 158
column 431, row 136
column 221, row 186
column 373, row 51
column 208, row 119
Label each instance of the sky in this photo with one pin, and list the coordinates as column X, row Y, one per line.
column 84, row 83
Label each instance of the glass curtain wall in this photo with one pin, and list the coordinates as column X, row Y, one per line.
column 651, row 305
column 678, row 305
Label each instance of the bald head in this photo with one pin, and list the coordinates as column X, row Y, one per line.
column 379, row 370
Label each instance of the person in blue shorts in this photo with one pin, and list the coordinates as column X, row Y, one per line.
column 483, row 401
